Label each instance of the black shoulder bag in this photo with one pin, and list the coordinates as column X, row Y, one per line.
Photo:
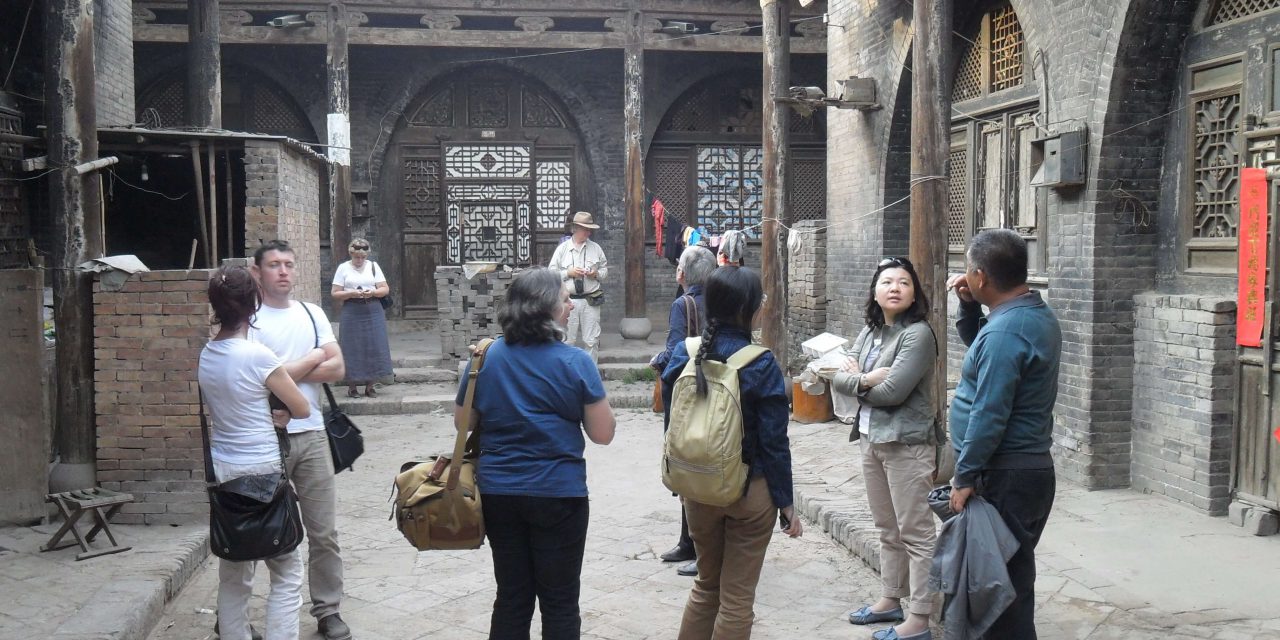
column 386, row 301
column 252, row 517
column 345, row 442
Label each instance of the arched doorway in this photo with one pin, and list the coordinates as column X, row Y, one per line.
column 486, row 166
column 250, row 102
column 705, row 159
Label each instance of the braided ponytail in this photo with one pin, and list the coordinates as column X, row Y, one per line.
column 708, row 337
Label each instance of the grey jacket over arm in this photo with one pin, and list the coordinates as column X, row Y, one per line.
column 970, row 569
column 902, row 406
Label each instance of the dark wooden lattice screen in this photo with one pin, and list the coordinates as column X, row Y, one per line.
column 261, row 108
column 1228, row 10
column 1217, row 166
column 422, row 193
column 1006, row 49
column 671, row 185
column 969, row 77
column 957, row 196
column 808, row 190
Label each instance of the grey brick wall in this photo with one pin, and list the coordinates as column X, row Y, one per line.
column 806, row 290
column 282, row 201
column 1184, row 382
column 113, row 62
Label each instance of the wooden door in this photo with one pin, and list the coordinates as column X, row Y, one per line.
column 1256, row 463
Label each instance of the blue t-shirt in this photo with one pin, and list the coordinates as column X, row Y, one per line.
column 531, row 399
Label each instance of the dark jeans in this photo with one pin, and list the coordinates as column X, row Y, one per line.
column 537, row 551
column 1023, row 497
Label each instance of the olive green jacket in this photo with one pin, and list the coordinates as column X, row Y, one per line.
column 902, row 406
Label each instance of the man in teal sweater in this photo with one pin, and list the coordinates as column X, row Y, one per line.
column 1002, row 416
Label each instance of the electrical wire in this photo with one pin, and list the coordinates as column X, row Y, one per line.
column 26, row 20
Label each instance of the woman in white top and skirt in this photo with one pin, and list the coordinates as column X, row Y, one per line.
column 236, row 377
column 361, row 285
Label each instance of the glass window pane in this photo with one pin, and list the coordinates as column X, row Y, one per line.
column 1220, row 76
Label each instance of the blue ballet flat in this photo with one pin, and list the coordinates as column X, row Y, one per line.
column 892, row 634
column 866, row 616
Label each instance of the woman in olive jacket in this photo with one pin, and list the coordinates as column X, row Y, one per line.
column 891, row 373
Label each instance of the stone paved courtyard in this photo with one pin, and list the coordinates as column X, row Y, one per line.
column 395, row 593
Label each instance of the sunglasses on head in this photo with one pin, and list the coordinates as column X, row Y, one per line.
column 360, row 247
column 894, row 262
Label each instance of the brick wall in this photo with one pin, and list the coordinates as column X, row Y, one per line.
column 113, row 62
column 806, row 290
column 282, row 201
column 468, row 309
column 1184, row 395
column 147, row 342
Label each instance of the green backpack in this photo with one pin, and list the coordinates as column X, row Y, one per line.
column 702, row 453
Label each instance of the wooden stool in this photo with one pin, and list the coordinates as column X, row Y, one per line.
column 74, row 504
column 808, row 408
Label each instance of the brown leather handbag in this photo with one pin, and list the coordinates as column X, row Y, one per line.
column 437, row 502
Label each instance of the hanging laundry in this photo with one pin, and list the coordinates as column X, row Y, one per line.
column 659, row 221
column 674, row 244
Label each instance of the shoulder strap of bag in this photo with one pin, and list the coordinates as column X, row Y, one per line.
column 468, row 402
column 693, row 323
column 315, row 329
column 745, row 356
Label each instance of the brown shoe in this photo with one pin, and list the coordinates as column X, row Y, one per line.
column 370, row 393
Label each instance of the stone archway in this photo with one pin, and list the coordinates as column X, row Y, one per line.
column 485, row 165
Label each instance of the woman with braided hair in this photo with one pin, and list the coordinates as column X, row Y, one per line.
column 731, row 541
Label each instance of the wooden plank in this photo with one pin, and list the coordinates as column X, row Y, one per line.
column 478, row 39
column 774, row 165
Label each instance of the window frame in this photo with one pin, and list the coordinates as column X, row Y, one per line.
column 1200, row 255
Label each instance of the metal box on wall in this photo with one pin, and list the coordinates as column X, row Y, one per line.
column 1062, row 158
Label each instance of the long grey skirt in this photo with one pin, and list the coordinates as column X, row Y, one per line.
column 363, row 338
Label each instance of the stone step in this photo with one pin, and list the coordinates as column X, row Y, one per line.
column 431, row 374
column 415, row 362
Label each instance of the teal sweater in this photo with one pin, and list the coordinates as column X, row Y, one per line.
column 1002, row 414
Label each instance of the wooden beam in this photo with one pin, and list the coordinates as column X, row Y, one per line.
column 776, row 141
column 71, row 118
column 339, row 133
column 204, row 66
column 475, row 39
column 633, row 111
column 930, row 145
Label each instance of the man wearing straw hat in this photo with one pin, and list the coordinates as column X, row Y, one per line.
column 582, row 265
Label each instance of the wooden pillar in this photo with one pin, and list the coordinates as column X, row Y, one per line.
column 773, row 258
column 74, row 203
column 339, row 124
column 636, row 324
column 204, row 65
column 930, row 144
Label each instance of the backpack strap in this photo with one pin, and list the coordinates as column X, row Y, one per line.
column 745, row 356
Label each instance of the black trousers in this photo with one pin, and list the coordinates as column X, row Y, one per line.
column 1023, row 497
column 537, row 548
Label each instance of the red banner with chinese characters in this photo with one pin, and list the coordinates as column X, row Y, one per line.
column 1251, row 291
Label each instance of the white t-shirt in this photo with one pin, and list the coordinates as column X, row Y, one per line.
column 352, row 279
column 289, row 334
column 233, row 378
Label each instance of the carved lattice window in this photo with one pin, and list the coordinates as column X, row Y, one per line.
column 671, row 184
column 729, row 189
column 422, row 193
column 487, row 105
column 1216, row 117
column 994, row 60
column 554, row 186
column 1228, row 10
column 249, row 103
column 488, row 215
column 436, row 112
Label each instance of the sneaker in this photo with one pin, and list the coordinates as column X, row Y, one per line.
column 253, row 633
column 333, row 628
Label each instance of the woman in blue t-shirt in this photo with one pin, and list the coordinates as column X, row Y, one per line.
column 536, row 397
column 731, row 541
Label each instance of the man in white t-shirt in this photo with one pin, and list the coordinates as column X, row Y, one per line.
column 311, row 356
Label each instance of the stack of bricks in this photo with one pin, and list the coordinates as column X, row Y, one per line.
column 468, row 308
column 282, row 202
column 147, row 341
column 1184, row 395
column 806, row 291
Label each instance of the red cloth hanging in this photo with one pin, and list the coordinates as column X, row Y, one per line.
column 659, row 220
